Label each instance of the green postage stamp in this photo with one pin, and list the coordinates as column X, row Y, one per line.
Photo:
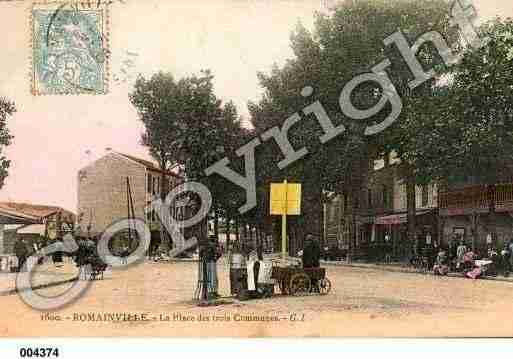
column 69, row 48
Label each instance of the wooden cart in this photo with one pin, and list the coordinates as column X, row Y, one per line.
column 300, row 281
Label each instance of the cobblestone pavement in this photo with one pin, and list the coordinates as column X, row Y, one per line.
column 363, row 302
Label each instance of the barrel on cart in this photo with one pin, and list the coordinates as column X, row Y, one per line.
column 301, row 281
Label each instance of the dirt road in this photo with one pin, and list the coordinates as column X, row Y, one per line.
column 156, row 300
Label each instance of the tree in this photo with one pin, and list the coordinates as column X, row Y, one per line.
column 186, row 124
column 175, row 114
column 464, row 128
column 7, row 109
column 460, row 130
column 177, row 117
column 344, row 43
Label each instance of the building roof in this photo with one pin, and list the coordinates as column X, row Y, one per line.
column 32, row 213
column 32, row 229
column 148, row 164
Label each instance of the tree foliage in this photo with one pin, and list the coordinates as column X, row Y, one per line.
column 343, row 44
column 463, row 130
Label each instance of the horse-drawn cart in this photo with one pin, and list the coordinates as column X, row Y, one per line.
column 294, row 280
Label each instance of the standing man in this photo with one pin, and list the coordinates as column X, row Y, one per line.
column 21, row 252
column 312, row 256
column 510, row 247
column 311, row 252
column 460, row 253
column 507, row 257
column 212, row 254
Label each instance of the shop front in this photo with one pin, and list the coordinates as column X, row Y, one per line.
column 389, row 234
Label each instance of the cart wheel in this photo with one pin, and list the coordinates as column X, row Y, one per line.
column 324, row 286
column 300, row 284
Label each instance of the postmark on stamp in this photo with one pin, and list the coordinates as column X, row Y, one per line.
column 70, row 48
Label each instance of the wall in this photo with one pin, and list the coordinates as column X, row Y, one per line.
column 9, row 237
column 102, row 192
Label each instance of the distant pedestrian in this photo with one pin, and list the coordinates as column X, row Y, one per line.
column 21, row 252
column 506, row 257
column 441, row 263
column 460, row 254
column 510, row 247
column 387, row 249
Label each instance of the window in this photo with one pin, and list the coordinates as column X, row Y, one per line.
column 149, row 185
column 425, row 195
column 369, row 198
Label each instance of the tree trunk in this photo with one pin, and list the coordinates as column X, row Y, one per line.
column 236, row 224
column 277, row 235
column 257, row 235
column 359, row 172
column 228, row 233
column 411, row 206
column 475, row 221
column 216, row 222
column 164, row 189
column 245, row 231
column 312, row 211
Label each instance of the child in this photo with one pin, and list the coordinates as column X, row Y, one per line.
column 441, row 267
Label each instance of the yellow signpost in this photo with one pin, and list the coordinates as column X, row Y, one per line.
column 285, row 200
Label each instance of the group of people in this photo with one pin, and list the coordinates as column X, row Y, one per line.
column 24, row 249
column 461, row 258
column 210, row 251
column 502, row 259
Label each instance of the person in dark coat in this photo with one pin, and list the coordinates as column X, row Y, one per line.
column 311, row 252
column 209, row 254
column 21, row 252
column 311, row 257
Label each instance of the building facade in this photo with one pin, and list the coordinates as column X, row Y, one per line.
column 106, row 185
column 379, row 218
column 36, row 224
column 480, row 215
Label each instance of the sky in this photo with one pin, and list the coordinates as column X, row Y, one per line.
column 57, row 135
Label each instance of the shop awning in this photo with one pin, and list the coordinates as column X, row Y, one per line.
column 399, row 218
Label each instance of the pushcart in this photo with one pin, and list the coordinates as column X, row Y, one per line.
column 294, row 280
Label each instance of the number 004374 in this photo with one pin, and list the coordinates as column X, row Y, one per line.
column 39, row 352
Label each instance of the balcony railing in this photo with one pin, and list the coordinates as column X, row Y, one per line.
column 466, row 200
column 503, row 197
column 477, row 199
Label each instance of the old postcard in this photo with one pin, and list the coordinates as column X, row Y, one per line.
column 256, row 168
